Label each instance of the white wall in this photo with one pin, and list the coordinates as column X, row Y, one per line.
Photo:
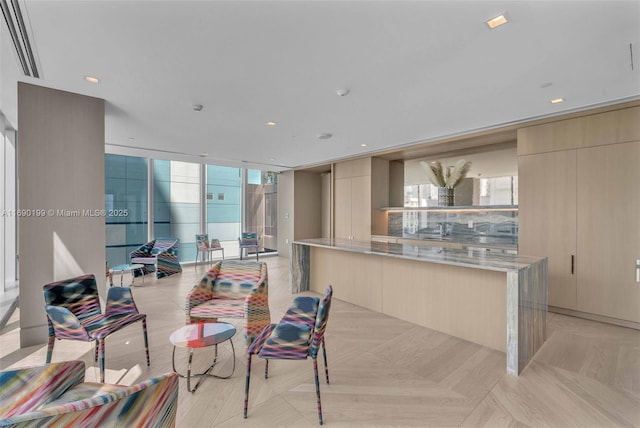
column 285, row 213
column 60, row 172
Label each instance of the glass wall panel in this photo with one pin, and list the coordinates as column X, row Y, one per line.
column 178, row 200
column 254, row 176
column 126, row 202
column 224, row 199
column 176, row 204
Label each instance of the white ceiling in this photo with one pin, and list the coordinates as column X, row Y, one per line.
column 418, row 71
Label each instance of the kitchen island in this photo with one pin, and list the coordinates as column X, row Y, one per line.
column 495, row 300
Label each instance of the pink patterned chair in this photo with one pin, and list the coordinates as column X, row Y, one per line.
column 57, row 395
column 206, row 247
column 298, row 335
column 74, row 312
column 232, row 289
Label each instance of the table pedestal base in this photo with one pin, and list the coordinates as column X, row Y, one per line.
column 206, row 373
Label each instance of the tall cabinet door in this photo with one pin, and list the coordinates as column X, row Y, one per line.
column 609, row 230
column 547, row 219
column 361, row 208
column 342, row 216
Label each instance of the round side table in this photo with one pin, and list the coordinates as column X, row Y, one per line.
column 202, row 335
column 122, row 269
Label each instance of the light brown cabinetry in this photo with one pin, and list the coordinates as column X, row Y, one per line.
column 580, row 207
column 361, row 187
column 609, row 230
column 353, row 208
column 547, row 215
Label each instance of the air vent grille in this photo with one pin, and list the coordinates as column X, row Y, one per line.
column 20, row 37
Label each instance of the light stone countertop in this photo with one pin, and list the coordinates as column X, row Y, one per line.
column 472, row 258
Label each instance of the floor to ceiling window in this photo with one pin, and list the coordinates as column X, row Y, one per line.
column 127, row 203
column 261, row 207
column 176, row 204
column 181, row 199
column 224, row 206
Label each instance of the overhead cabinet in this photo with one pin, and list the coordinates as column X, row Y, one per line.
column 580, row 207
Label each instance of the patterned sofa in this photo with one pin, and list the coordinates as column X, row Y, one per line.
column 56, row 395
column 232, row 289
column 160, row 255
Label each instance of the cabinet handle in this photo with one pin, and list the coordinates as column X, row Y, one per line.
column 638, row 270
column 573, row 263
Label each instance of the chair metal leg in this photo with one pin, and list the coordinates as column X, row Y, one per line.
column 52, row 341
column 146, row 340
column 326, row 367
column 315, row 372
column 266, row 369
column 95, row 351
column 101, row 358
column 246, row 386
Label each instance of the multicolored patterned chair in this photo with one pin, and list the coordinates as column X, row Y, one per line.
column 160, row 254
column 57, row 395
column 206, row 247
column 232, row 289
column 249, row 240
column 297, row 336
column 74, row 312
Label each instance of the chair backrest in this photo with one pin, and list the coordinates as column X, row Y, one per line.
column 236, row 279
column 79, row 295
column 164, row 244
column 56, row 395
column 202, row 241
column 321, row 321
column 303, row 310
column 28, row 388
column 148, row 247
column 249, row 238
column 215, row 243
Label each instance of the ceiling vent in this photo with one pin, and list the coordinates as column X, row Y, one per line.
column 20, row 37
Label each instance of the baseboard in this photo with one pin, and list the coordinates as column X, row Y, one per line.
column 594, row 317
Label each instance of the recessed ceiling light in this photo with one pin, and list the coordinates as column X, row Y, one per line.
column 363, row 145
column 497, row 21
column 204, row 155
column 324, row 136
column 198, row 107
column 271, row 123
column 91, row 79
column 342, row 92
column 556, row 100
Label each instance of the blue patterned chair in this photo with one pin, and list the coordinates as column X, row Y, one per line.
column 249, row 240
column 160, row 254
column 56, row 395
column 74, row 312
column 297, row 336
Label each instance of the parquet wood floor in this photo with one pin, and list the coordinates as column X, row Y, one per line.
column 384, row 372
